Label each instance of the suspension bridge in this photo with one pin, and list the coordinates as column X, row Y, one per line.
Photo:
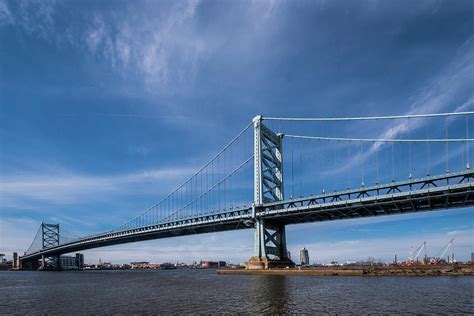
column 282, row 171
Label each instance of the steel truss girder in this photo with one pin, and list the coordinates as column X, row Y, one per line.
column 426, row 184
column 443, row 197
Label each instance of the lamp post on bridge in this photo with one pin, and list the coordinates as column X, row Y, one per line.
column 270, row 238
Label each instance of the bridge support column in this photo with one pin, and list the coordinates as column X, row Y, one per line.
column 270, row 239
column 50, row 238
column 270, row 247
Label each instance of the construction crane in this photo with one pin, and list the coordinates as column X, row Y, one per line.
column 440, row 254
column 417, row 251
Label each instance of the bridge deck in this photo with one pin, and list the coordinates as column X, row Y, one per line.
column 417, row 195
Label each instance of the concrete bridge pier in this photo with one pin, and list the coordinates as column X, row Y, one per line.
column 270, row 247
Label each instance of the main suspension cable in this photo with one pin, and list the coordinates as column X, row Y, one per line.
column 390, row 117
column 387, row 140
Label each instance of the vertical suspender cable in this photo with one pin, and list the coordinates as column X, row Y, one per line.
column 225, row 182
column 301, row 172
column 350, row 163
column 335, row 167
column 377, row 161
column 393, row 164
column 428, row 165
column 446, row 144
column 409, row 151
column 468, row 166
column 219, row 185
column 362, row 161
column 348, row 178
column 292, row 176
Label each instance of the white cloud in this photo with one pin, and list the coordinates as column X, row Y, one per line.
column 436, row 96
column 5, row 14
column 440, row 93
column 36, row 17
column 234, row 246
column 16, row 234
column 67, row 187
column 158, row 43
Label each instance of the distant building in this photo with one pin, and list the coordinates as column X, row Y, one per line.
column 15, row 261
column 167, row 266
column 472, row 256
column 210, row 264
column 145, row 265
column 72, row 262
column 304, row 257
column 222, row 264
column 2, row 258
column 68, row 262
column 139, row 264
column 79, row 260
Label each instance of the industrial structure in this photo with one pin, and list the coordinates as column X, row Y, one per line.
column 415, row 259
column 217, row 197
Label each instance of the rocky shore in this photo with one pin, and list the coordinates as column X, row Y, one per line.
column 428, row 270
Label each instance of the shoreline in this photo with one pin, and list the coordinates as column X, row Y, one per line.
column 465, row 270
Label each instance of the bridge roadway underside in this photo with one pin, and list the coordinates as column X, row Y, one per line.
column 421, row 195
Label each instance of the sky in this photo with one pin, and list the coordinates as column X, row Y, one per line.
column 106, row 106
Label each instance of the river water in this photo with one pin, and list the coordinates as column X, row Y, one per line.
column 203, row 291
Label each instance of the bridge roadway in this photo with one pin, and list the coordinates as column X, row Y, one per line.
column 446, row 191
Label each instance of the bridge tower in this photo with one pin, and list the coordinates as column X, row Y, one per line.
column 50, row 238
column 270, row 239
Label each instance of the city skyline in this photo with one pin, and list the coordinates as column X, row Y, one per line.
column 86, row 128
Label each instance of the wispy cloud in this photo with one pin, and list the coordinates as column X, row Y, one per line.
column 438, row 95
column 161, row 43
column 67, row 187
column 5, row 14
column 234, row 246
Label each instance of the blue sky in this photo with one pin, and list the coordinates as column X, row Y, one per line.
column 107, row 106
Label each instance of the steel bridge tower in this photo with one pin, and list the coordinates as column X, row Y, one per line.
column 50, row 238
column 270, row 239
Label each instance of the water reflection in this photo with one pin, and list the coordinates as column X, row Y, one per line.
column 203, row 291
column 271, row 293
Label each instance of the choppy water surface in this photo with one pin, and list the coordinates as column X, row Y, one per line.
column 203, row 291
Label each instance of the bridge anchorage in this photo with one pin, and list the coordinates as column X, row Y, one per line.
column 221, row 195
